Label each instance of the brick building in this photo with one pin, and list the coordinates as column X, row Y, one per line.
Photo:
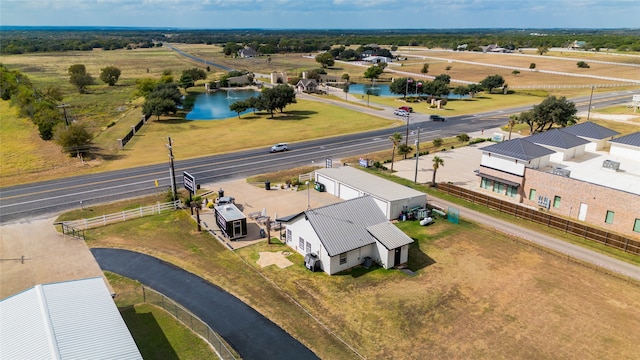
column 566, row 171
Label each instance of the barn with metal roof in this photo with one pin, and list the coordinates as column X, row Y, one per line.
column 67, row 320
column 347, row 183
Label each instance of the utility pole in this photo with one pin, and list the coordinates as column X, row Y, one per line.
column 415, row 177
column 64, row 110
column 406, row 136
column 172, row 172
column 590, row 97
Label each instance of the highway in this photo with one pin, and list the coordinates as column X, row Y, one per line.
column 54, row 196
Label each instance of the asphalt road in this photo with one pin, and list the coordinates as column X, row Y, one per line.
column 252, row 335
column 54, row 196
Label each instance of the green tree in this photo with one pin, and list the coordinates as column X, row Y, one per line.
column 582, row 65
column 491, row 82
column 513, row 119
column 543, row 50
column 437, row 163
column 239, row 107
column 425, row 68
column 437, row 142
column 110, row 75
column 444, row 78
column 374, row 72
column 404, row 150
column 163, row 100
column 277, row 98
column 346, row 77
column 554, row 111
column 437, row 88
column 527, row 117
column 532, row 66
column 74, row 139
column 396, row 138
column 325, row 59
column 461, row 90
column 47, row 119
column 474, row 89
column 79, row 77
column 145, row 86
column 515, row 72
column 463, row 138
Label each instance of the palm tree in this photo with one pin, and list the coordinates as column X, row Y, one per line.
column 396, row 138
column 437, row 162
column 513, row 119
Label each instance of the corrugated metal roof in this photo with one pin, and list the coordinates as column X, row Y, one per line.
column 342, row 227
column 67, row 320
column 370, row 184
column 518, row 149
column 389, row 235
column 590, row 130
column 557, row 138
column 631, row 139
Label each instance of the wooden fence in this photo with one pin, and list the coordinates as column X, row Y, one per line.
column 107, row 219
column 553, row 221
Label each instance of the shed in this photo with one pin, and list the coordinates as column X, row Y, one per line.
column 66, row 320
column 231, row 221
column 348, row 183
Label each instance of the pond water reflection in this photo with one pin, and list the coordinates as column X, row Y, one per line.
column 215, row 105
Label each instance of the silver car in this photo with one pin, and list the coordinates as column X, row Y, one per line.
column 279, row 147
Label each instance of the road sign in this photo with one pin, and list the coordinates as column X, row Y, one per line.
column 189, row 182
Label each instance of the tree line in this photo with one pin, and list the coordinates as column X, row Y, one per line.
column 286, row 41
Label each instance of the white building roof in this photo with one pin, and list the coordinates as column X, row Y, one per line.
column 370, row 184
column 68, row 320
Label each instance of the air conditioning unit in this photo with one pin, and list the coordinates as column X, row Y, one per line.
column 610, row 164
column 561, row 172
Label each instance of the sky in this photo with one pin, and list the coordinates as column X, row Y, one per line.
column 324, row 14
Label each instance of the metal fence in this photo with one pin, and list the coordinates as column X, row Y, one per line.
column 107, row 219
column 189, row 320
column 122, row 142
column 569, row 226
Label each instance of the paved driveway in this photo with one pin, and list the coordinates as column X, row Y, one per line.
column 252, row 335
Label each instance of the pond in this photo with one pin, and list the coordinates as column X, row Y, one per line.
column 215, row 105
column 383, row 91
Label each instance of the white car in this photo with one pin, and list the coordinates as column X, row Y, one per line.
column 279, row 147
column 400, row 112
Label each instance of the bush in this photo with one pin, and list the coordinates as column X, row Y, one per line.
column 582, row 65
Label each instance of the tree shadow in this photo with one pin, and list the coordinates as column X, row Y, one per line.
column 148, row 335
column 295, row 115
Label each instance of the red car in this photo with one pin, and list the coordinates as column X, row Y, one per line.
column 406, row 108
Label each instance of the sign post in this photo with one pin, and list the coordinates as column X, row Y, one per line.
column 189, row 184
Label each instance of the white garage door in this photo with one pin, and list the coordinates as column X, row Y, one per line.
column 347, row 192
column 329, row 185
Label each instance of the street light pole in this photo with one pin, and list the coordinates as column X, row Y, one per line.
column 590, row 97
column 406, row 137
column 308, row 202
column 415, row 177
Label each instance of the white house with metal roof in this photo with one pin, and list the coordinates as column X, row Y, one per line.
column 597, row 135
column 565, row 145
column 67, row 320
column 347, row 182
column 342, row 235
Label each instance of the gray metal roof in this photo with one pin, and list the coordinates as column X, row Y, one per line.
column 67, row 320
column 230, row 212
column 389, row 235
column 557, row 138
column 343, row 226
column 518, row 149
column 370, row 184
column 631, row 139
column 590, row 130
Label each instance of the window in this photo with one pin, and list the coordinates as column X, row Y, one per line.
column 609, row 218
column 301, row 243
column 512, row 191
column 556, row 202
column 532, row 194
column 485, row 183
column 636, row 226
column 289, row 237
column 343, row 259
column 498, row 187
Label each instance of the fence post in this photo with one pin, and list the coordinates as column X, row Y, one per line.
column 144, row 295
column 141, row 213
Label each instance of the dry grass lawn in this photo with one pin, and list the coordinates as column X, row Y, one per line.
column 476, row 294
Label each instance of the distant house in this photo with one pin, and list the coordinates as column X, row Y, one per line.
column 377, row 59
column 247, row 52
column 576, row 45
column 494, row 48
column 345, row 234
column 462, row 47
column 307, row 85
column 627, row 146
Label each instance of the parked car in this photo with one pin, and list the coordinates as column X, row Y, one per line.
column 225, row 200
column 279, row 147
column 400, row 112
column 406, row 108
column 436, row 118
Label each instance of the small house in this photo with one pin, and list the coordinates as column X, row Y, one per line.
column 231, row 221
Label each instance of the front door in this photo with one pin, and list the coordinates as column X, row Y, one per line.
column 396, row 257
column 237, row 228
column 582, row 214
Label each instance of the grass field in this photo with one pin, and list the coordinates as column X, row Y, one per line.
column 111, row 111
column 476, row 294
